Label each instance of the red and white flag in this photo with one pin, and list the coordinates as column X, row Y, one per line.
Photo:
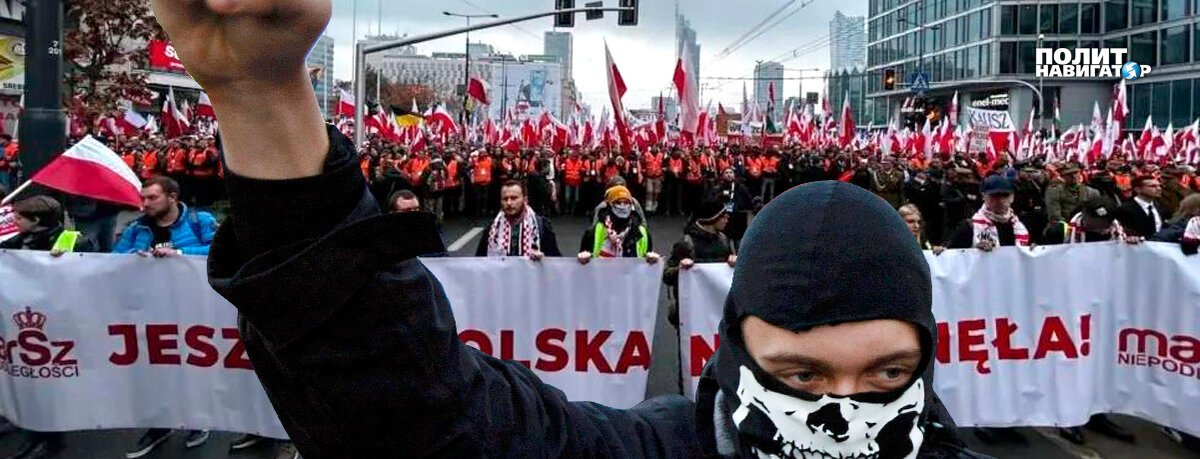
column 1144, row 141
column 846, row 127
column 1120, row 104
column 689, row 97
column 131, row 122
column 479, row 90
column 616, row 90
column 345, row 103
column 204, row 107
column 174, row 123
column 92, row 170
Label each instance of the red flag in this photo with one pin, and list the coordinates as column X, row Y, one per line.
column 846, row 128
column 1120, row 107
column 479, row 90
column 616, row 90
column 92, row 170
column 174, row 123
column 204, row 107
column 1143, row 143
column 345, row 104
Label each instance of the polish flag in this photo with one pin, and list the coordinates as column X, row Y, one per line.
column 846, row 127
column 442, row 120
column 345, row 103
column 1145, row 139
column 131, row 122
column 204, row 107
column 1120, row 106
column 174, row 123
column 616, row 90
column 92, row 170
column 479, row 90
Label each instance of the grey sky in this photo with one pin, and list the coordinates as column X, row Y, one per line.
column 645, row 54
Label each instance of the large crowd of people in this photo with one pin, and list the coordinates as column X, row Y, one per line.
column 955, row 202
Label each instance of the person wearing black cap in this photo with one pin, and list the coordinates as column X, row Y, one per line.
column 1097, row 222
column 704, row 241
column 995, row 224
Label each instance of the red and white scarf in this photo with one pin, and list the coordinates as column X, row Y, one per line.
column 984, row 223
column 1192, row 231
column 501, row 234
column 614, row 244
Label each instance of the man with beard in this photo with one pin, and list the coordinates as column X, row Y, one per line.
column 355, row 341
column 517, row 231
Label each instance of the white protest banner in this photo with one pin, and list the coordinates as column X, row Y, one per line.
column 991, row 120
column 1039, row 338
column 119, row 341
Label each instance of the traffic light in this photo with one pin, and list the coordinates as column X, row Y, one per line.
column 564, row 19
column 628, row 18
column 889, row 79
column 594, row 15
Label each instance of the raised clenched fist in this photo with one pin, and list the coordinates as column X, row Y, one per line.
column 241, row 46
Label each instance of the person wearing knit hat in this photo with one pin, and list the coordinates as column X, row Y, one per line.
column 704, row 241
column 619, row 231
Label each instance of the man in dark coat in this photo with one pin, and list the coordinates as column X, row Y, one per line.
column 1144, row 215
column 517, row 231
column 355, row 343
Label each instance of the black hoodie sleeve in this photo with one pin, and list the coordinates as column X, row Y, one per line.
column 549, row 239
column 356, row 346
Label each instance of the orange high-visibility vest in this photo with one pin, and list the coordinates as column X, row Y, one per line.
column 148, row 165
column 481, row 175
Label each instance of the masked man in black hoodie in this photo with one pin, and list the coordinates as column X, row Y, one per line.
column 356, row 345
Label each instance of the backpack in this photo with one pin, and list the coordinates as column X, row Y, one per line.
column 193, row 219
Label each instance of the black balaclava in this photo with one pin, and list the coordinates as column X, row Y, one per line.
column 826, row 253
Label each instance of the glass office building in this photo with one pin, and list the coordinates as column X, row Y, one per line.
column 977, row 47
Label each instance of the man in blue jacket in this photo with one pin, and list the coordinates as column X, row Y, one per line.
column 168, row 227
column 356, row 346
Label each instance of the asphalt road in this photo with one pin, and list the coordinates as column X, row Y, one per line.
column 464, row 233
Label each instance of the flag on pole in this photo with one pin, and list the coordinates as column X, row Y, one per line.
column 689, row 96
column 204, row 107
column 345, row 103
column 846, row 127
column 479, row 90
column 616, row 90
column 174, row 123
column 92, row 170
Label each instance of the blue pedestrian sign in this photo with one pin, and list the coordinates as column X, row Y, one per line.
column 919, row 81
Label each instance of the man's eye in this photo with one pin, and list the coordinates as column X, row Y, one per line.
column 893, row 373
column 805, row 377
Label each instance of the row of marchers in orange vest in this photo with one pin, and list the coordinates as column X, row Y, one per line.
column 482, row 169
column 201, row 163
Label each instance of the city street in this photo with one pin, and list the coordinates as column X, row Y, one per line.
column 1040, row 442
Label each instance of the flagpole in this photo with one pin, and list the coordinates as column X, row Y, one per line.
column 14, row 194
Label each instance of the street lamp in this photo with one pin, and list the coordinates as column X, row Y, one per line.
column 462, row 117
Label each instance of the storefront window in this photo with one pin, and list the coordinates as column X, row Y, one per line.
column 1181, row 102
column 1068, row 18
column 1049, row 22
column 1160, row 107
column 1117, row 15
column 1027, row 20
column 1143, row 49
column 1089, row 18
column 1026, row 57
column 1174, row 9
column 1008, row 57
column 1008, row 20
column 1144, row 12
column 1139, row 96
column 1175, row 46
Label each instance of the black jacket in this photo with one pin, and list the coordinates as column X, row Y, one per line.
column 356, row 346
column 43, row 239
column 700, row 246
column 964, row 236
column 1137, row 222
column 549, row 241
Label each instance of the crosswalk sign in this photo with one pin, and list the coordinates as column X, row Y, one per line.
column 919, row 81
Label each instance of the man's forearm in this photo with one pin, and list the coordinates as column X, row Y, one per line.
column 274, row 132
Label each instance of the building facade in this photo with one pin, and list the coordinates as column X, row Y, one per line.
column 562, row 46
column 986, row 50
column 852, row 83
column 767, row 74
column 848, row 43
column 670, row 107
column 320, row 70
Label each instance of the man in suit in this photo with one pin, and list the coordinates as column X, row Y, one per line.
column 1144, row 215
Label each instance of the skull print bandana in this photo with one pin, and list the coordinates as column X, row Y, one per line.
column 827, row 253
